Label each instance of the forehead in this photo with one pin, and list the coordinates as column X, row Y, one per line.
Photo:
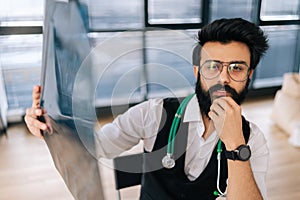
column 232, row 51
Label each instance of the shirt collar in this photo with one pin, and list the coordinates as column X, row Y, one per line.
column 192, row 111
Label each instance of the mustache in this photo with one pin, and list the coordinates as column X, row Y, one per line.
column 226, row 88
column 204, row 97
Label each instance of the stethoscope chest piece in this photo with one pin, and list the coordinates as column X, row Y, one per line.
column 168, row 162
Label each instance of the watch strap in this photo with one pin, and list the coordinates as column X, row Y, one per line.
column 239, row 153
column 232, row 155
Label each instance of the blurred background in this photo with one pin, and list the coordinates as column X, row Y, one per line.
column 141, row 25
column 21, row 29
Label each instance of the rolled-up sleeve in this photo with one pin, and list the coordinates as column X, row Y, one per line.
column 260, row 158
column 140, row 122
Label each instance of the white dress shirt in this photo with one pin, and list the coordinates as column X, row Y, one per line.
column 142, row 121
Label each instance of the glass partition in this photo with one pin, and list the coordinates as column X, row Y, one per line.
column 169, row 63
column 120, row 57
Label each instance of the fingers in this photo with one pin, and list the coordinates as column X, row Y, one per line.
column 222, row 110
column 34, row 112
column 31, row 116
column 32, row 122
column 225, row 113
column 218, row 107
column 36, row 95
column 224, row 104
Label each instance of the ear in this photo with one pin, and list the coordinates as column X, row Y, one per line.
column 196, row 71
column 251, row 73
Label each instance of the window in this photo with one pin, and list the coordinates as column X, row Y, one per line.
column 116, row 14
column 280, row 58
column 22, row 54
column 21, row 57
column 170, row 12
column 21, row 12
column 273, row 10
column 231, row 8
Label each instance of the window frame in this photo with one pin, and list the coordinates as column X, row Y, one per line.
column 274, row 22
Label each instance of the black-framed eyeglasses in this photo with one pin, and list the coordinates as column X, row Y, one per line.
column 237, row 70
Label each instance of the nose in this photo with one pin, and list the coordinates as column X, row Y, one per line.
column 224, row 78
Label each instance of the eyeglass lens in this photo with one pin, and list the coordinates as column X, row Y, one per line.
column 237, row 71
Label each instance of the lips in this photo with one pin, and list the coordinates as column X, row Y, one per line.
column 219, row 90
column 221, row 93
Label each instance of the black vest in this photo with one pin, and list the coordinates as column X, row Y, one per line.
column 159, row 183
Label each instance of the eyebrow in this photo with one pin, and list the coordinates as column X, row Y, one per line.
column 232, row 61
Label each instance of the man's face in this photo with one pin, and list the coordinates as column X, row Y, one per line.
column 222, row 85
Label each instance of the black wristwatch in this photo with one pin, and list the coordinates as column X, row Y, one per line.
column 242, row 153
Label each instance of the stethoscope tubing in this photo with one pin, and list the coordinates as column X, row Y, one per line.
column 168, row 161
column 175, row 124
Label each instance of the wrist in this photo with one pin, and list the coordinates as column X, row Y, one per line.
column 234, row 144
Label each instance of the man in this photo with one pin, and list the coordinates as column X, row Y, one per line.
column 227, row 53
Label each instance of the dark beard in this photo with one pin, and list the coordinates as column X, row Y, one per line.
column 204, row 98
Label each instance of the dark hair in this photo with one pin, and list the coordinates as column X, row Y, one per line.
column 196, row 55
column 235, row 29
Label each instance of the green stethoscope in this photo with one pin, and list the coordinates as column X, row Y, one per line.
column 168, row 160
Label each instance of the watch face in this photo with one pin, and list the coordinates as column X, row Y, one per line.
column 244, row 153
